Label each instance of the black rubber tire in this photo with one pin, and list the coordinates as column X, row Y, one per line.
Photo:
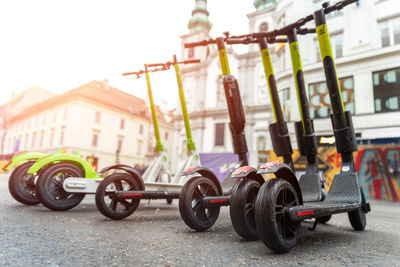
column 169, row 201
column 194, row 189
column 49, row 187
column 357, row 217
column 241, row 208
column 121, row 182
column 276, row 231
column 22, row 185
column 324, row 219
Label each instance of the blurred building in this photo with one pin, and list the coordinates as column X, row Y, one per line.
column 99, row 123
column 365, row 38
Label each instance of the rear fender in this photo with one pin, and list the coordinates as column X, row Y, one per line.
column 130, row 170
column 205, row 172
column 247, row 172
column 56, row 158
column 281, row 170
column 21, row 158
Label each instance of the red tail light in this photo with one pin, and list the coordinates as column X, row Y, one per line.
column 8, row 164
column 218, row 201
column 304, row 213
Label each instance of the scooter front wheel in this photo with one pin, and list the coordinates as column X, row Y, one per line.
column 111, row 206
column 357, row 217
column 192, row 212
column 241, row 208
column 50, row 190
column 22, row 185
column 274, row 228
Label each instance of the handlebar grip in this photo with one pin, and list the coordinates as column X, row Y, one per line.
column 246, row 40
column 130, row 73
column 156, row 65
column 191, row 61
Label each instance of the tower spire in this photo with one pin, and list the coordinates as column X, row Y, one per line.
column 262, row 4
column 199, row 19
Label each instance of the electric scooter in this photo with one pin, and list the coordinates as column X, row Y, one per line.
column 64, row 179
column 280, row 205
column 279, row 132
column 119, row 194
column 202, row 196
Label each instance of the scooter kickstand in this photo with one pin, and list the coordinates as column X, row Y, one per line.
column 314, row 225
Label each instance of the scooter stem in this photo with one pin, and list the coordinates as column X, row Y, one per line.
column 159, row 144
column 191, row 146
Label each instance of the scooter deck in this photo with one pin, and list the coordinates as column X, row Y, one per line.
column 227, row 185
column 319, row 209
column 310, row 184
column 343, row 196
column 89, row 186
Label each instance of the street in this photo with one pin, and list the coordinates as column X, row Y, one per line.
column 155, row 235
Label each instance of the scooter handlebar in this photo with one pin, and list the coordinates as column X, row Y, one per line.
column 201, row 43
column 241, row 40
column 337, row 6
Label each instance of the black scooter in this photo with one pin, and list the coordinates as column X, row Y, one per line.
column 200, row 199
column 281, row 203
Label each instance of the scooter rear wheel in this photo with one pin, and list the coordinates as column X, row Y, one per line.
column 50, row 190
column 106, row 201
column 276, row 230
column 193, row 214
column 22, row 185
column 241, row 208
column 357, row 217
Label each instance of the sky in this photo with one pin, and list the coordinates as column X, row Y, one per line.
column 60, row 45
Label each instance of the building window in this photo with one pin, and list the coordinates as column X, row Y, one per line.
column 139, row 147
column 97, row 117
column 141, row 129
column 390, row 32
column 51, row 137
column 219, row 134
column 122, row 124
column 33, row 139
column 263, row 27
column 166, row 136
column 119, row 144
column 65, row 113
column 55, row 117
column 220, row 91
column 41, row 138
column 387, row 90
column 191, row 52
column 95, row 139
column 320, row 104
column 284, row 97
column 337, row 45
column 281, row 58
column 317, row 50
column 62, row 135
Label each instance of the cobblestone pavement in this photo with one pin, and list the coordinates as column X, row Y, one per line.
column 155, row 235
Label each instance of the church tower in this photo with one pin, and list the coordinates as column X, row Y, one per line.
column 199, row 26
